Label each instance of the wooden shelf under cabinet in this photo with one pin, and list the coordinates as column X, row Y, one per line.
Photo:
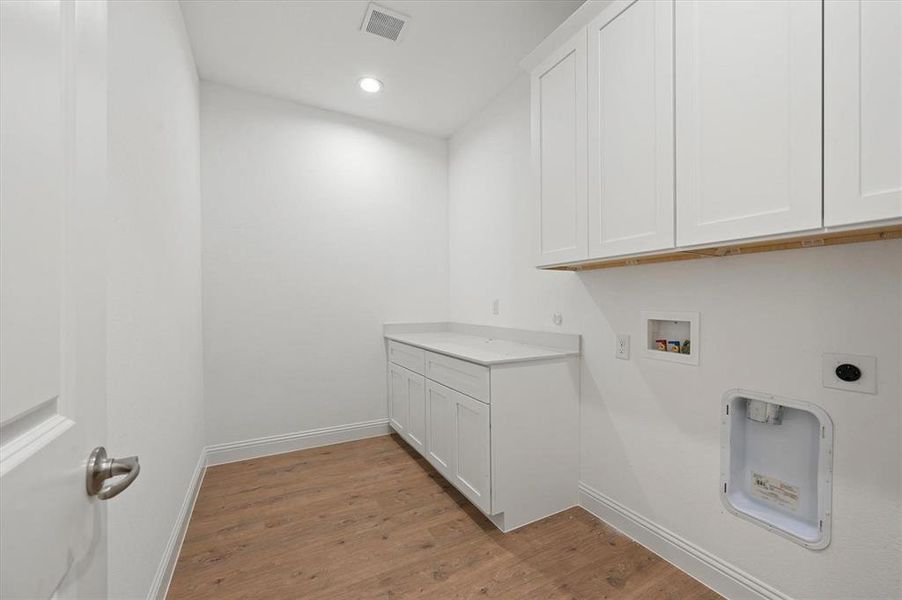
column 811, row 240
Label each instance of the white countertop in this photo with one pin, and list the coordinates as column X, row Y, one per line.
column 483, row 350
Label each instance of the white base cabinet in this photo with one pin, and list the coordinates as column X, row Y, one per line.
column 472, row 440
column 407, row 405
column 440, row 428
column 506, row 435
column 398, row 401
column 416, row 415
column 459, row 442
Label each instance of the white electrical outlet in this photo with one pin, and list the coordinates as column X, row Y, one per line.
column 623, row 347
column 557, row 318
column 860, row 372
column 496, row 306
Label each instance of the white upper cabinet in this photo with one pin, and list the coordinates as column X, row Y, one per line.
column 630, row 144
column 559, row 152
column 748, row 118
column 862, row 111
column 700, row 123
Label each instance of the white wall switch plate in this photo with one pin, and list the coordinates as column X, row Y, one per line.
column 867, row 365
column 557, row 318
column 623, row 347
column 496, row 307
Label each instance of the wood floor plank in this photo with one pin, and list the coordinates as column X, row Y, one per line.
column 373, row 520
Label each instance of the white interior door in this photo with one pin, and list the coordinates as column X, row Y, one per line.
column 748, row 118
column 862, row 111
column 52, row 296
column 630, row 172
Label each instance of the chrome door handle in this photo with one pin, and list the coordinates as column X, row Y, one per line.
column 101, row 468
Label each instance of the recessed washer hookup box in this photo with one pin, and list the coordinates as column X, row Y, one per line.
column 777, row 465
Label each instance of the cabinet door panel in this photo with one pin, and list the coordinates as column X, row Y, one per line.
column 472, row 472
column 559, row 152
column 398, row 400
column 416, row 422
column 862, row 111
column 630, row 172
column 748, row 118
column 440, row 409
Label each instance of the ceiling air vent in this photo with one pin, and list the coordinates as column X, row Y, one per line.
column 384, row 22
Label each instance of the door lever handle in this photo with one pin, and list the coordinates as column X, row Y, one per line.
column 101, row 468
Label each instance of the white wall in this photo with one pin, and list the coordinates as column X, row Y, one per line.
column 650, row 429
column 155, row 357
column 318, row 227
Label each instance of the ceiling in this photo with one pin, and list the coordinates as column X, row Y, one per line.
column 453, row 57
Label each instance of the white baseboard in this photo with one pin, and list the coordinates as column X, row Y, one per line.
column 219, row 454
column 163, row 576
column 722, row 577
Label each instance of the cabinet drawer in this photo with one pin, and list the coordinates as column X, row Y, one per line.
column 406, row 356
column 468, row 378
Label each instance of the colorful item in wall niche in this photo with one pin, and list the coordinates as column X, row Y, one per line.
column 673, row 346
column 661, row 345
column 685, row 348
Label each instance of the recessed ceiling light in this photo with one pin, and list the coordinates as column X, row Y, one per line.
column 370, row 84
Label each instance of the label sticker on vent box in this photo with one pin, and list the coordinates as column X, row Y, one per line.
column 775, row 491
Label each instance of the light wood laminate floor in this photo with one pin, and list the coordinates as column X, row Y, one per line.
column 372, row 519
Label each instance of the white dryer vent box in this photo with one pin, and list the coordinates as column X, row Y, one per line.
column 777, row 465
